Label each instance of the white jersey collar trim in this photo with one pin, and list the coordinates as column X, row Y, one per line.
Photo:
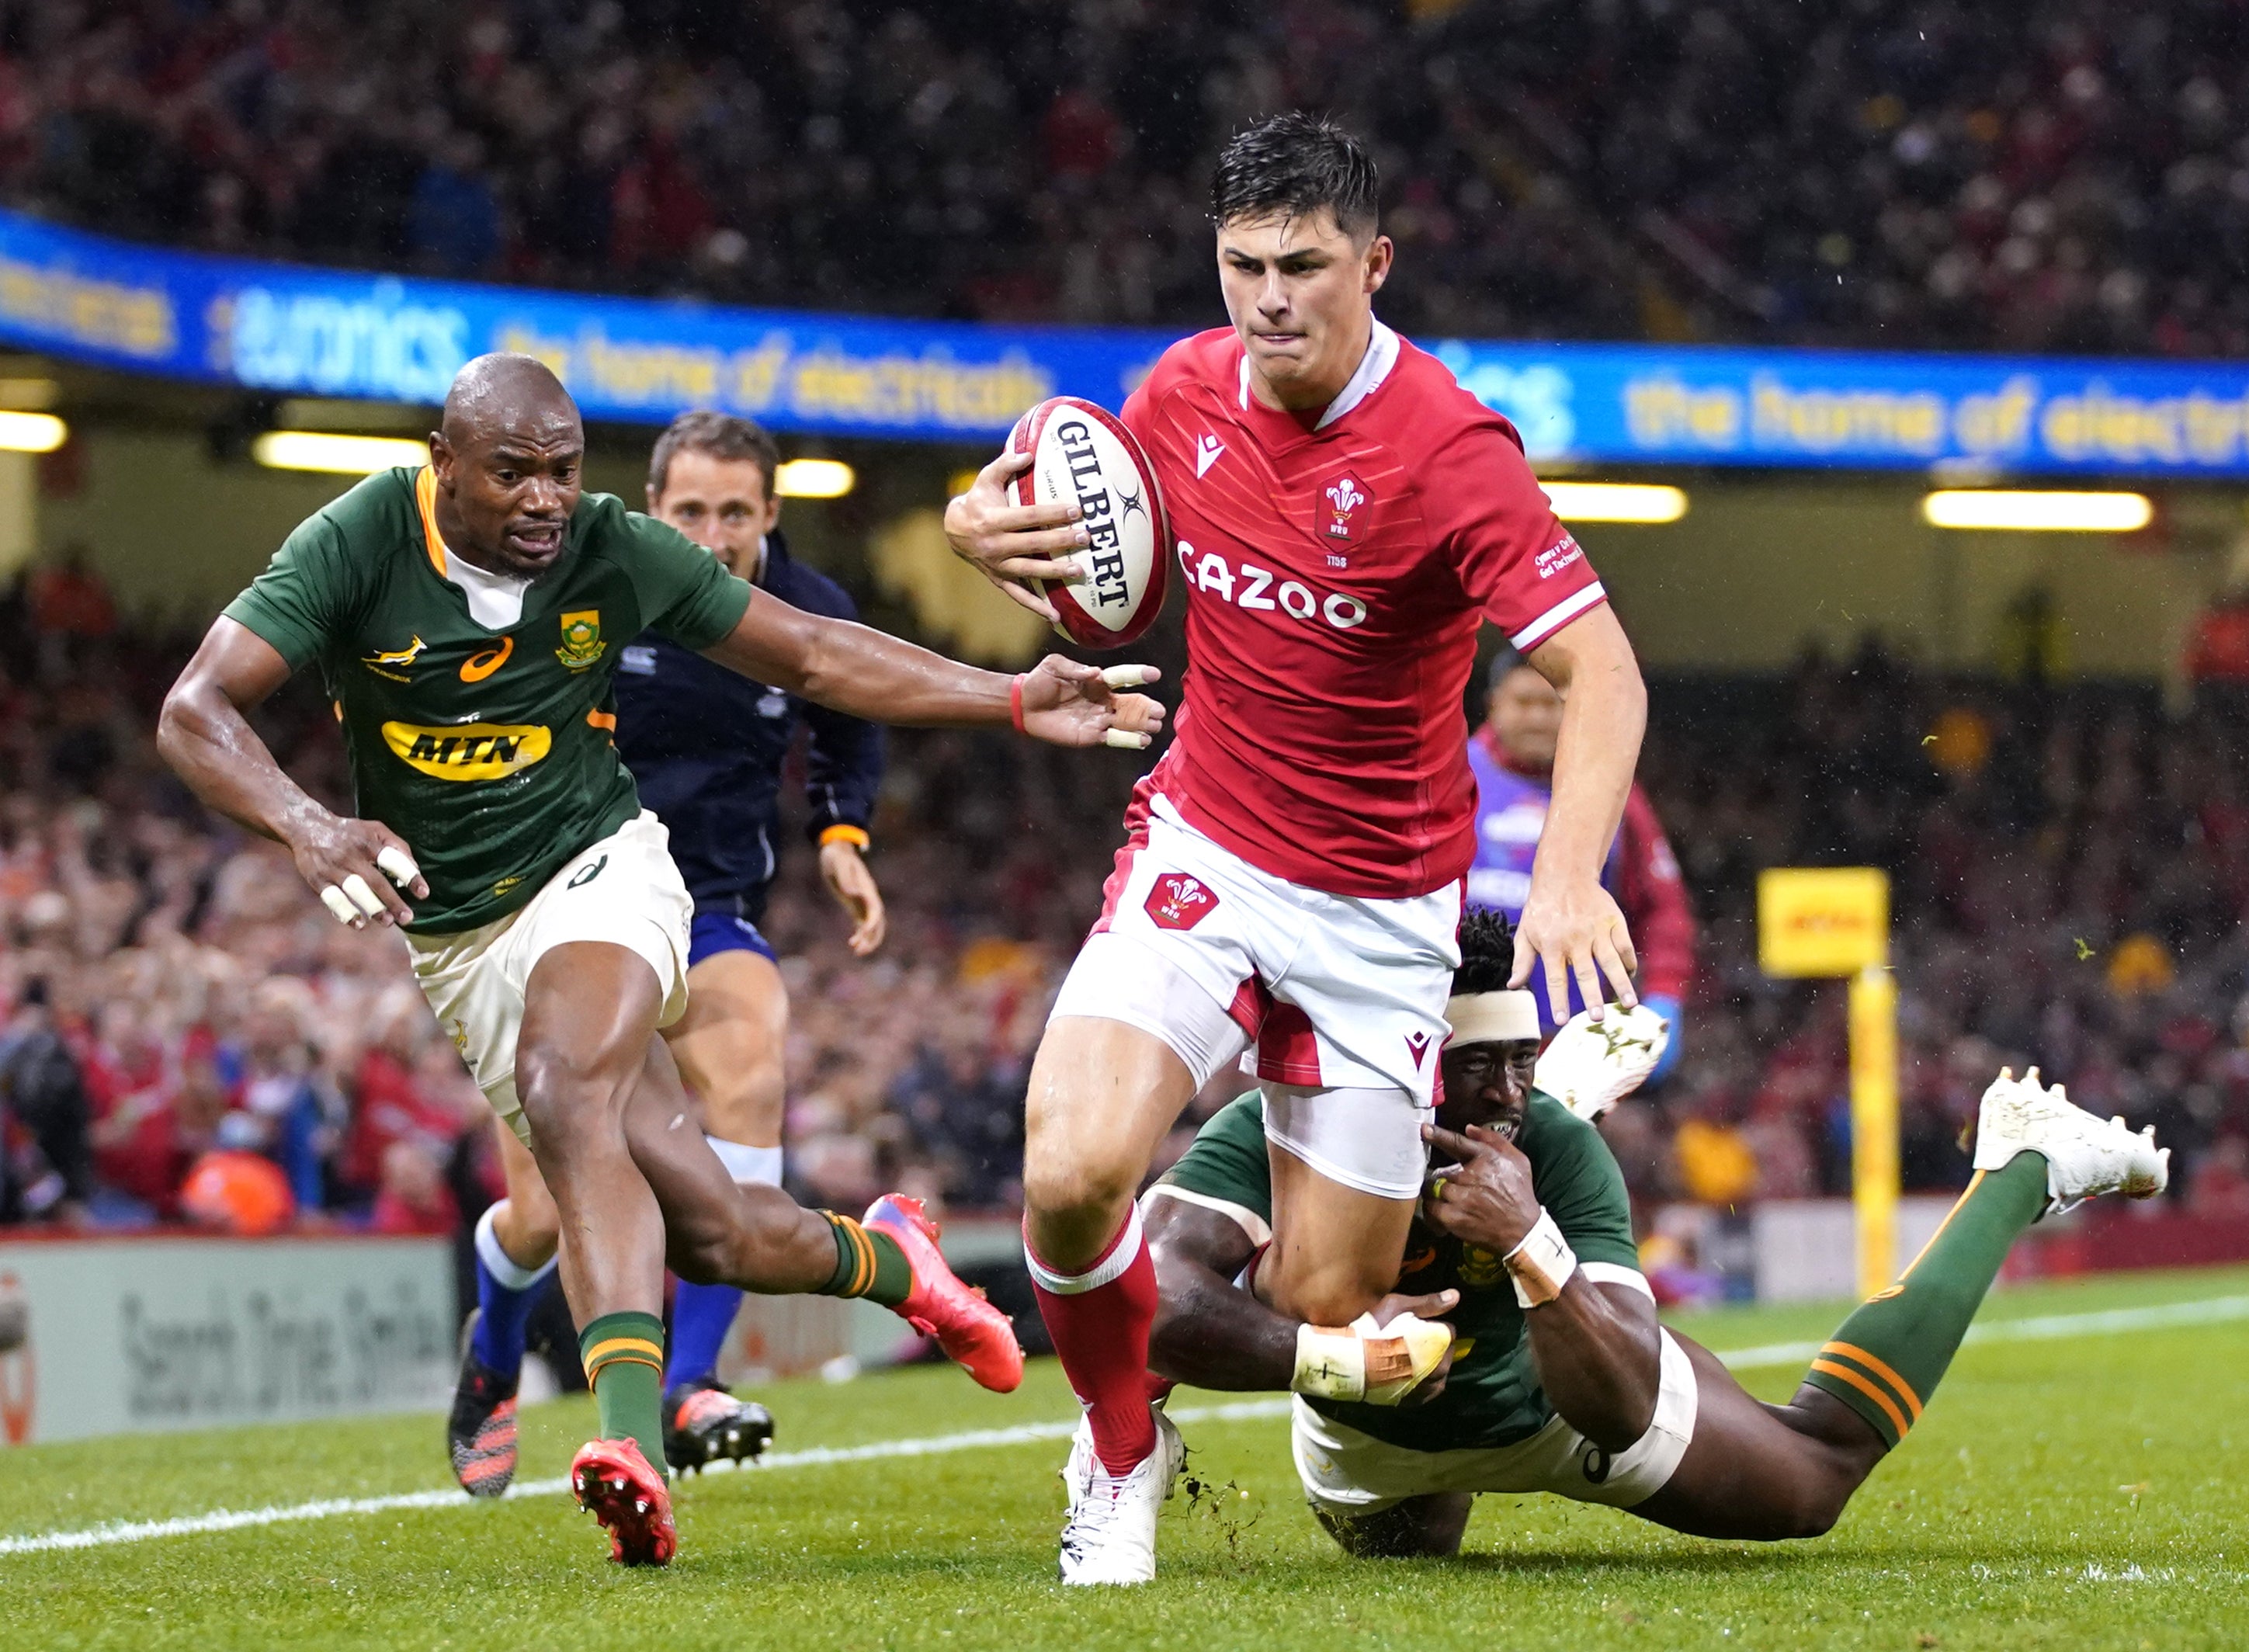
column 1373, row 368
column 495, row 600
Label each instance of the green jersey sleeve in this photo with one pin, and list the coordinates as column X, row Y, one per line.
column 685, row 592
column 1577, row 1179
column 1226, row 1166
column 308, row 592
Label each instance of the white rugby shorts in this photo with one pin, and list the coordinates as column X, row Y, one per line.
column 1336, row 1003
column 623, row 890
column 1346, row 1472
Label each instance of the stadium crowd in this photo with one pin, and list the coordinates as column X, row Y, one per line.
column 188, row 1034
column 2054, row 176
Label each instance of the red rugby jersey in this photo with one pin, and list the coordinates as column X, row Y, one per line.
column 1338, row 564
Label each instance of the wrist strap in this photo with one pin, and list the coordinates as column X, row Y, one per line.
column 1015, row 701
column 843, row 832
column 1541, row 1264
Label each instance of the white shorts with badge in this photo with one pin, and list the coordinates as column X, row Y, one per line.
column 1339, row 998
column 1346, row 1472
column 623, row 890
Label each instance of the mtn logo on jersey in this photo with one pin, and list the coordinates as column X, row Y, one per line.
column 1180, row 901
column 468, row 751
column 1344, row 495
column 1207, row 448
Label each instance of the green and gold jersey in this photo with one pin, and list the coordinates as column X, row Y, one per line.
column 488, row 752
column 1492, row 1397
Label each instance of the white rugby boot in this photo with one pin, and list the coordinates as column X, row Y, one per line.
column 1111, row 1534
column 2084, row 1156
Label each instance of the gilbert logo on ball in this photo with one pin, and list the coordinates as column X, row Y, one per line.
column 1082, row 455
column 1179, row 901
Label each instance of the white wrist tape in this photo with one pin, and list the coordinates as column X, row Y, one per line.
column 1331, row 1364
column 1541, row 1264
column 1379, row 1364
column 1400, row 1355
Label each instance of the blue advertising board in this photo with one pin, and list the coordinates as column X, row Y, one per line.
column 310, row 332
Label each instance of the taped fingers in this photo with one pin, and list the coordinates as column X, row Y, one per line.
column 1129, row 676
column 339, row 903
column 362, row 895
column 398, row 865
column 1125, row 739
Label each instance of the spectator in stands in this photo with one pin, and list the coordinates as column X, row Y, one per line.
column 1977, row 175
column 46, row 1163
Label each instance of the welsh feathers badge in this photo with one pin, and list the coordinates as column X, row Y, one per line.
column 1340, row 499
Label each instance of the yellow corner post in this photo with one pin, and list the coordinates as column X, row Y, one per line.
column 1830, row 922
column 1875, row 1125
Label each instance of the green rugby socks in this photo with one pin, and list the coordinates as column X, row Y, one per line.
column 1888, row 1356
column 868, row 1264
column 624, row 1354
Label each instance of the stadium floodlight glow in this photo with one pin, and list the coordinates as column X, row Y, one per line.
column 815, row 480
column 1616, row 501
column 339, row 455
column 2019, row 510
column 33, row 432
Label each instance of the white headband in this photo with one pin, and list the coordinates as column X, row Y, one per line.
column 1477, row 1018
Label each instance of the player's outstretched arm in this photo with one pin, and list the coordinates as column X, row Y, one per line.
column 209, row 745
column 868, row 673
column 1211, row 1333
column 1595, row 1345
column 1570, row 923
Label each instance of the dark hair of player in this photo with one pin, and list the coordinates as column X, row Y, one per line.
column 1297, row 163
column 1486, row 952
column 723, row 436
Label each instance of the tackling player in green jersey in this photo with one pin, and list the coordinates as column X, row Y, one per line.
column 466, row 619
column 1559, row 1378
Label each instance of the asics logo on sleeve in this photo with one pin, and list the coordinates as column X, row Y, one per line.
column 1207, row 448
column 1260, row 590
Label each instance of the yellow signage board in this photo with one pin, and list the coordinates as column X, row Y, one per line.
column 1822, row 920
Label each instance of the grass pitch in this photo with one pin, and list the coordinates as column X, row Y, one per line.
column 2084, row 1489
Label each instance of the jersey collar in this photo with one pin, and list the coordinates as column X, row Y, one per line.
column 425, row 500
column 1373, row 369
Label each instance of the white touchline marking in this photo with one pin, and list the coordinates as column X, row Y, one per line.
column 2045, row 1327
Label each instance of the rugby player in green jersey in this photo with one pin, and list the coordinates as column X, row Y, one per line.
column 466, row 619
column 1559, row 1378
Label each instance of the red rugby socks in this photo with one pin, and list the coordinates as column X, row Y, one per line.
column 1099, row 1320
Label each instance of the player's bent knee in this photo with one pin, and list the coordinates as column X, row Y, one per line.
column 559, row 1095
column 1061, row 1183
column 1418, row 1528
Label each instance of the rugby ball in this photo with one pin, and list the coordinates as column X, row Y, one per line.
column 1081, row 452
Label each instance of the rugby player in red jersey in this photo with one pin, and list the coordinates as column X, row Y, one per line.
column 1347, row 518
